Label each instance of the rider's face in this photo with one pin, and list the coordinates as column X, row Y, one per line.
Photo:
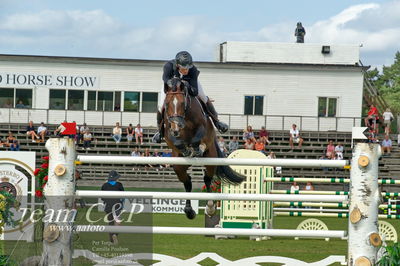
column 183, row 71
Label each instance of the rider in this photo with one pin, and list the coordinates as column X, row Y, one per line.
column 182, row 67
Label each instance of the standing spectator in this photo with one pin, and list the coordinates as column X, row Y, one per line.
column 294, row 187
column 20, row 104
column 372, row 117
column 339, row 150
column 386, row 145
column 248, row 134
column 295, row 137
column 82, row 131
column 233, row 145
column 10, row 139
column 87, row 140
column 113, row 207
column 139, row 134
column 129, row 133
column 249, row 144
column 387, row 120
column 14, row 146
column 117, row 133
column 42, row 131
column 299, row 32
column 221, row 145
column 30, row 131
column 260, row 146
column 264, row 135
column 330, row 150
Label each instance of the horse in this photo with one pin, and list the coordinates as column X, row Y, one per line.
column 189, row 132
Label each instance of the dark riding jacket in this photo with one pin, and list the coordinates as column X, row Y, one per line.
column 171, row 71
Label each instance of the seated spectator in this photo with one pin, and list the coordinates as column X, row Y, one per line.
column 117, row 133
column 82, row 131
column 2, row 143
column 30, row 131
column 135, row 152
column 264, row 135
column 271, row 155
column 249, row 144
column 309, row 186
column 233, row 145
column 259, row 146
column 372, row 117
column 248, row 134
column 130, row 132
column 295, row 137
column 387, row 120
column 221, row 145
column 10, row 139
column 42, row 131
column 87, row 140
column 167, row 153
column 339, row 149
column 294, row 187
column 60, row 129
column 139, row 134
column 14, row 146
column 147, row 153
column 386, row 145
column 330, row 150
column 156, row 153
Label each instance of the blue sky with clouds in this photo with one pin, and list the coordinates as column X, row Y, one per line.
column 158, row 29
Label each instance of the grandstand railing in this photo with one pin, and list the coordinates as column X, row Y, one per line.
column 235, row 121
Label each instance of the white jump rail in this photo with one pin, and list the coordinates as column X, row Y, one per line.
column 217, row 231
column 303, row 163
column 209, row 196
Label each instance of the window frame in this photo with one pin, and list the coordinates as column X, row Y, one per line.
column 253, row 104
column 328, row 98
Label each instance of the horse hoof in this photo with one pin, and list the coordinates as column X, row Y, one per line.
column 210, row 208
column 190, row 213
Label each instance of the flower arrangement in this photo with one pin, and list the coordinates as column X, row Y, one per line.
column 42, row 176
column 7, row 201
column 215, row 187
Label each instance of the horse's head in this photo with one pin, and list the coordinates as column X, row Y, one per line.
column 175, row 106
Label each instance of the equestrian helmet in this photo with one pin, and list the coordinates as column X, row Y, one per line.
column 184, row 59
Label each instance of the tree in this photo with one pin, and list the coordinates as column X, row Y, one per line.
column 389, row 84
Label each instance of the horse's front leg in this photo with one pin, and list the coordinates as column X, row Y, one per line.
column 210, row 206
column 180, row 170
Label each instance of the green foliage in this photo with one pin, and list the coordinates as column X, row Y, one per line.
column 7, row 201
column 392, row 256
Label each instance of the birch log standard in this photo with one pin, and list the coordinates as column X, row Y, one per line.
column 59, row 193
column 364, row 240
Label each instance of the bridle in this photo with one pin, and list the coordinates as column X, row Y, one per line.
column 176, row 117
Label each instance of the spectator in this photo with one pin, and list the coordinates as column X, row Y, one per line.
column 398, row 140
column 330, row 150
column 7, row 104
column 294, row 187
column 114, row 206
column 87, row 140
column 60, row 129
column 264, row 135
column 372, row 116
column 387, row 120
column 233, row 145
column 309, row 187
column 20, row 104
column 129, row 133
column 156, row 153
column 339, row 150
column 295, row 137
column 271, row 155
column 82, row 131
column 260, row 146
column 386, row 145
column 221, row 145
column 2, row 143
column 10, row 139
column 249, row 144
column 42, row 131
column 135, row 152
column 30, row 131
column 139, row 134
column 323, row 157
column 14, row 146
column 117, row 133
column 248, row 134
column 167, row 153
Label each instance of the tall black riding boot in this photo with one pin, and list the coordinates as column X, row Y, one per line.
column 221, row 126
column 159, row 135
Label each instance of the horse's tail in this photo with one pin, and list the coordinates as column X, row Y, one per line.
column 225, row 172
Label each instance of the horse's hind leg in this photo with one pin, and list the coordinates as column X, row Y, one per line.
column 208, row 177
column 181, row 171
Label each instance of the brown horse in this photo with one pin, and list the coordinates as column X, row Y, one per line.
column 189, row 132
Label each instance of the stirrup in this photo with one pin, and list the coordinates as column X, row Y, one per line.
column 156, row 138
column 221, row 126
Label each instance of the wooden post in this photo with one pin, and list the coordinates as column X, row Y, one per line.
column 59, row 193
column 364, row 240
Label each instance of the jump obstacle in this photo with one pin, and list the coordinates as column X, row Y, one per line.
column 363, row 238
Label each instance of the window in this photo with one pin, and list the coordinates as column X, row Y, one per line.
column 131, row 101
column 57, row 99
column 6, row 98
column 327, row 107
column 105, row 101
column 75, row 100
column 91, row 106
column 149, row 102
column 117, row 101
column 253, row 105
column 23, row 98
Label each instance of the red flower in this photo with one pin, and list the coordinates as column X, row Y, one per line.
column 46, row 158
column 37, row 170
column 39, row 193
column 43, row 185
column 219, row 190
column 46, row 178
column 45, row 165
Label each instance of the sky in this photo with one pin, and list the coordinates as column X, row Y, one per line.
column 159, row 29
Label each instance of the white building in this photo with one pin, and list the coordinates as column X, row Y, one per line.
column 272, row 84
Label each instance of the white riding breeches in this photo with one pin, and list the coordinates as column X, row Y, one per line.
column 201, row 95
